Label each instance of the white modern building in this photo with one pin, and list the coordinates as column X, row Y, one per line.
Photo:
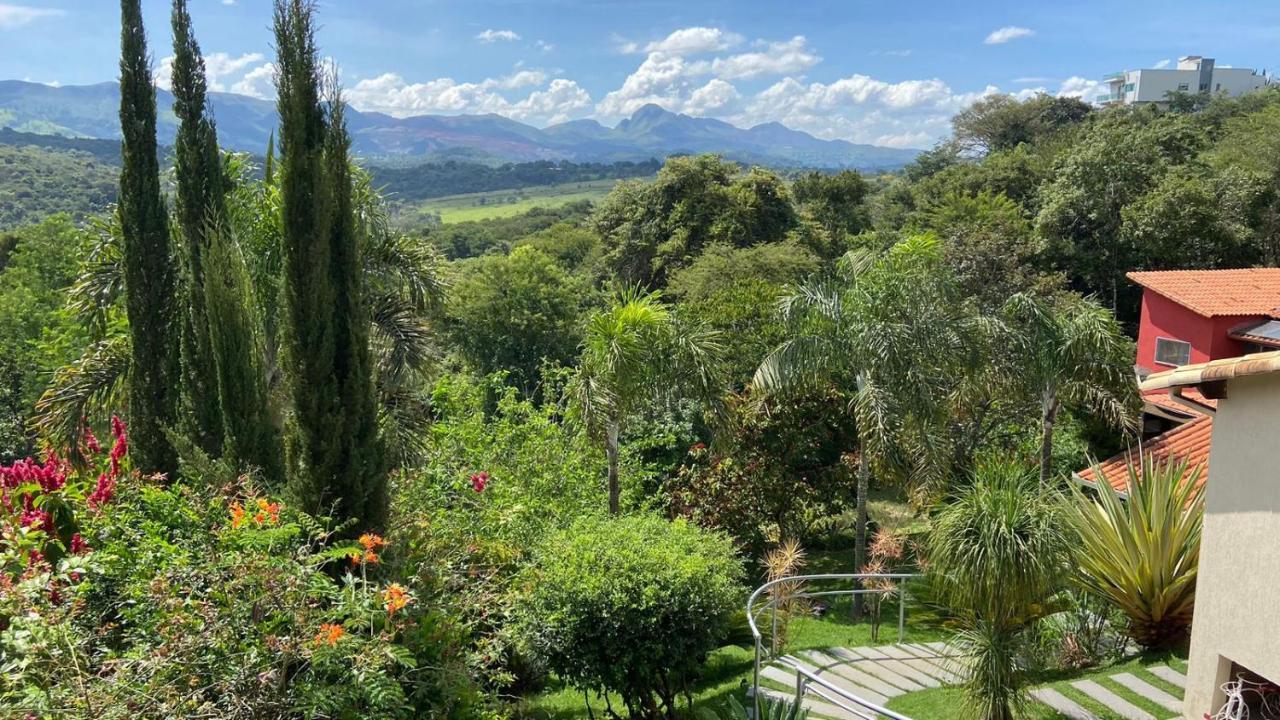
column 1194, row 74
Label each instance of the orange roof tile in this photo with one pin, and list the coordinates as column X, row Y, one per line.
column 1161, row 399
column 1247, row 291
column 1187, row 443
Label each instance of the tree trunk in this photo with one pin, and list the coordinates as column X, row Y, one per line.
column 1048, row 416
column 860, row 531
column 611, row 451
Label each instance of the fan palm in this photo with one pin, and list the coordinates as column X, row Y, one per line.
column 998, row 553
column 1070, row 351
column 633, row 350
column 1140, row 553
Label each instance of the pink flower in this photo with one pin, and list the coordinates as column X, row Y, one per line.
column 479, row 481
column 78, row 545
column 102, row 494
column 91, row 441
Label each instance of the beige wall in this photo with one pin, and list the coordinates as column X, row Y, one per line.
column 1238, row 591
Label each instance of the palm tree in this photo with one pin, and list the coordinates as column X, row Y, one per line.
column 1141, row 554
column 998, row 551
column 636, row 350
column 1070, row 351
column 891, row 332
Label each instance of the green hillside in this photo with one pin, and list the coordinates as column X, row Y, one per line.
column 36, row 182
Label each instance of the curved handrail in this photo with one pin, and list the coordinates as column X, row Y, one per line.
column 758, row 637
column 804, row 678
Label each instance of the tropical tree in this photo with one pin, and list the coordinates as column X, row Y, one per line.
column 1069, row 351
column 150, row 278
column 1140, row 553
column 634, row 351
column 997, row 553
column 892, row 333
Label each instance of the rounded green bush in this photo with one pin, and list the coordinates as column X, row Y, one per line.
column 630, row 605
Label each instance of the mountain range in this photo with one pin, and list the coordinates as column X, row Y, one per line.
column 245, row 123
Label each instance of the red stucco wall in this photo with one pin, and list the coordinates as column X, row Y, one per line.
column 1162, row 317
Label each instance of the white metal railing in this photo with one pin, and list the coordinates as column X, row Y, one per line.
column 754, row 610
column 859, row 707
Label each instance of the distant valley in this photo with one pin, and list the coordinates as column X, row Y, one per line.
column 246, row 123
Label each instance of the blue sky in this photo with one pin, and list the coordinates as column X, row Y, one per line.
column 889, row 73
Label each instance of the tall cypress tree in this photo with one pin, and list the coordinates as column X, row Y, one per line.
column 201, row 190
column 334, row 452
column 149, row 273
column 225, row 362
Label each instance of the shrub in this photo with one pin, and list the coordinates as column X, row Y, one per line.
column 631, row 606
column 223, row 603
column 1141, row 554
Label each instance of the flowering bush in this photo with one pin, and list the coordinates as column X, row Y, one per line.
column 201, row 602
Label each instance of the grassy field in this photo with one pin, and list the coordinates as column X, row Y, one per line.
column 505, row 203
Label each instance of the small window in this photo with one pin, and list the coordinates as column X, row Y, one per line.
column 1172, row 352
column 1184, row 87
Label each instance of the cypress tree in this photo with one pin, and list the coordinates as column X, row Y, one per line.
column 149, row 274
column 334, row 453
column 200, row 196
column 269, row 166
column 231, row 381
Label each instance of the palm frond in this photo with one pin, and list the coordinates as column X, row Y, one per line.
column 92, row 386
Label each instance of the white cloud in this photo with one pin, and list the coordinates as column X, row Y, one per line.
column 1031, row 80
column 716, row 97
column 217, row 67
column 894, row 53
column 692, row 41
column 1079, row 87
column 1007, row 33
column 489, row 36
column 1163, row 64
column 544, row 46
column 779, row 58
column 228, row 2
column 15, row 16
column 259, row 82
column 392, row 94
column 908, row 139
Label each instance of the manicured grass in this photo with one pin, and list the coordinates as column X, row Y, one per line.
column 941, row 703
column 505, row 203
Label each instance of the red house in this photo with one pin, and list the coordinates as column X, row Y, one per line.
column 1193, row 316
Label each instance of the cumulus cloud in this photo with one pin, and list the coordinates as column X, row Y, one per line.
column 15, row 16
column 692, row 41
column 716, row 97
column 259, row 82
column 489, row 36
column 778, row 58
column 1079, row 87
column 1007, row 33
column 390, row 93
column 217, row 67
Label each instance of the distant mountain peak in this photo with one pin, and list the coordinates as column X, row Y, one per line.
column 244, row 123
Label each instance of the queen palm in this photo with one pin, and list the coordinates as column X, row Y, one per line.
column 891, row 333
column 1069, row 351
column 637, row 351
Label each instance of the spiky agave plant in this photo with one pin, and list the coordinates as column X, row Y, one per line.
column 1141, row 552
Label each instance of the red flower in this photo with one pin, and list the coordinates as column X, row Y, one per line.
column 91, row 441
column 78, row 545
column 105, row 490
column 479, row 481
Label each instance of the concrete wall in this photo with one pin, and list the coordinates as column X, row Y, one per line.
column 1237, row 615
column 1162, row 317
column 1153, row 85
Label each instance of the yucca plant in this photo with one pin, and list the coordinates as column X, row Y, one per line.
column 997, row 555
column 1141, row 552
column 770, row 709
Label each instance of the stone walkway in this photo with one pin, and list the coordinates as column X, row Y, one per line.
column 878, row 674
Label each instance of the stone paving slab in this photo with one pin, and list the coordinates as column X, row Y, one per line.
column 841, row 682
column 864, row 673
column 815, row 706
column 880, row 660
column 1169, row 675
column 912, row 657
column 1142, row 688
column 1111, row 701
column 1064, row 705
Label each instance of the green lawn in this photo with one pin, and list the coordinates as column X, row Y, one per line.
column 941, row 703
column 505, row 203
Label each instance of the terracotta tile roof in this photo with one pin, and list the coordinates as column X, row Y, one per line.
column 1249, row 291
column 1161, row 400
column 1213, row 371
column 1188, row 442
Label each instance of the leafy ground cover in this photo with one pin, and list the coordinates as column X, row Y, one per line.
column 505, row 203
